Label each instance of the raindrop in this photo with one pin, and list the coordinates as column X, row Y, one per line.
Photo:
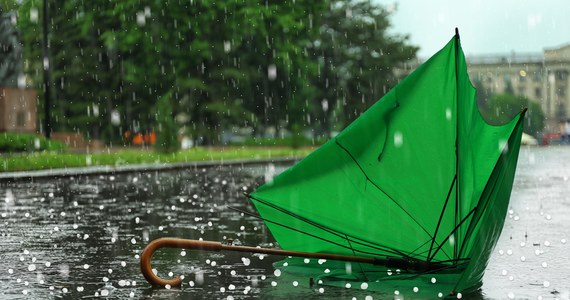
column 433, row 280
column 273, row 283
column 544, row 265
column 398, row 139
column 183, row 253
column 321, row 290
column 440, row 294
column 227, row 46
column 272, row 72
column 123, row 264
column 503, row 146
column 306, row 260
column 277, row 273
column 546, row 283
column 31, row 267
column 368, row 297
column 459, row 295
column 295, row 283
column 364, row 286
column 563, row 241
column 523, row 258
column 85, row 266
column 348, row 285
column 416, row 289
column 546, row 243
column 200, row 277
column 511, row 295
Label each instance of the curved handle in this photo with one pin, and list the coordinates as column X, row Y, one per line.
column 149, row 250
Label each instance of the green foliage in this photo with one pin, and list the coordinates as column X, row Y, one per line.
column 8, row 5
column 52, row 160
column 356, row 54
column 26, row 142
column 294, row 142
column 501, row 108
column 167, row 134
column 269, row 63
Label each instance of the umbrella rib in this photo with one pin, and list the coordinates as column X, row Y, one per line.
column 457, row 194
column 378, row 187
column 418, row 254
column 441, row 215
column 295, row 229
column 331, row 231
column 451, row 233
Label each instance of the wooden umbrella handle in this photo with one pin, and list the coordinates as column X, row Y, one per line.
column 149, row 250
column 153, row 279
column 146, row 268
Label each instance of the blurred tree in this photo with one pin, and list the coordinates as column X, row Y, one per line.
column 167, row 133
column 356, row 55
column 226, row 63
column 8, row 5
column 501, row 108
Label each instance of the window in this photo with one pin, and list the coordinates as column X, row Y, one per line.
column 537, row 92
column 21, row 119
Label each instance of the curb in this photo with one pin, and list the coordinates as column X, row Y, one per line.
column 111, row 170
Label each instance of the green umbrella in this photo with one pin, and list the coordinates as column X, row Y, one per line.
column 419, row 183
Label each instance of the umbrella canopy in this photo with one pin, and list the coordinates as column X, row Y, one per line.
column 419, row 175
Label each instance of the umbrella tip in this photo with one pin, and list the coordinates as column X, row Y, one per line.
column 456, row 31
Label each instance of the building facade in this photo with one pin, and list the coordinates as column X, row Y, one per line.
column 18, row 111
column 543, row 78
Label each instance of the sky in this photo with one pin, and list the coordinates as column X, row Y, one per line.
column 485, row 26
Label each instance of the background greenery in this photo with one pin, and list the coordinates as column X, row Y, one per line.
column 222, row 65
column 288, row 72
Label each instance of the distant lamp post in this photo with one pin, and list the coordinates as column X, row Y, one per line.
column 46, row 65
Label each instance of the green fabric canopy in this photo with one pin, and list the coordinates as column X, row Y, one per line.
column 419, row 175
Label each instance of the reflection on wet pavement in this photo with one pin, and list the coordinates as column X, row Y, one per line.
column 81, row 237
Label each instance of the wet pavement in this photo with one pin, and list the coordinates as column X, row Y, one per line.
column 81, row 236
